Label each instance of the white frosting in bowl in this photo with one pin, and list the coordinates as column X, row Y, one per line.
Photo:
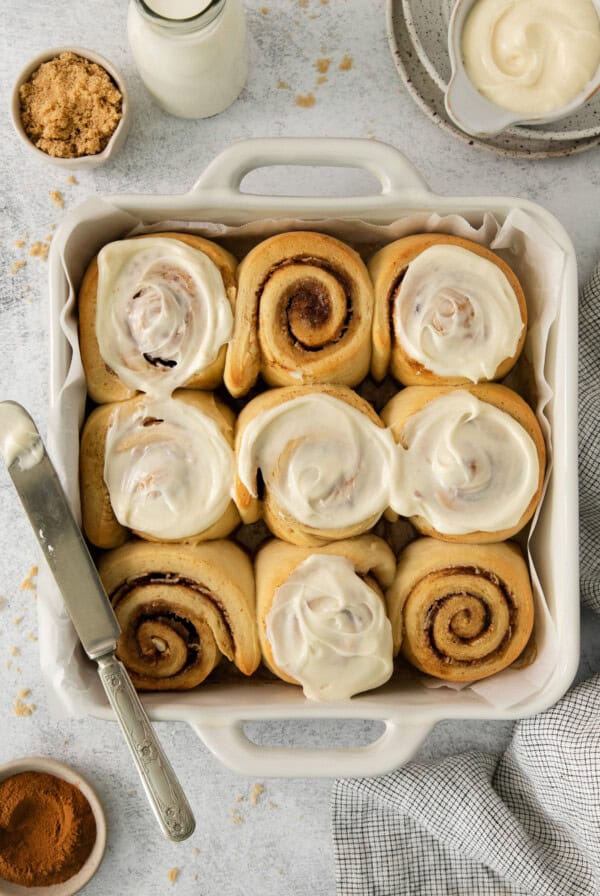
column 162, row 312
column 328, row 630
column 467, row 466
column 456, row 313
column 532, row 56
column 326, row 463
column 168, row 469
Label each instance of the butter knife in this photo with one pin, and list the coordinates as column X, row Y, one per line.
column 66, row 553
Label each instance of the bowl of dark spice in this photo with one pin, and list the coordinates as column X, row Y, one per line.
column 52, row 829
column 70, row 108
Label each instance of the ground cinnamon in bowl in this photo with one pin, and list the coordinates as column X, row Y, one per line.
column 47, row 829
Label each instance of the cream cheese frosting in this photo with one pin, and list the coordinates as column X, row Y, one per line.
column 531, row 56
column 327, row 464
column 328, row 630
column 168, row 469
column 456, row 313
column 466, row 466
column 19, row 439
column 162, row 312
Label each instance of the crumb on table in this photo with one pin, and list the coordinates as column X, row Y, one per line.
column 23, row 709
column 17, row 266
column 173, row 874
column 39, row 250
column 28, row 583
column 57, row 197
column 322, row 65
column 282, row 84
column 72, row 180
column 255, row 793
column 306, row 101
column 346, row 64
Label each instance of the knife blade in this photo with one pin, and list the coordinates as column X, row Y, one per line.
column 89, row 607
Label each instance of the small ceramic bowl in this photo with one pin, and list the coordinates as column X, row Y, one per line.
column 120, row 134
column 474, row 113
column 85, row 874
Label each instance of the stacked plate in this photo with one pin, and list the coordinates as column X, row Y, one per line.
column 418, row 36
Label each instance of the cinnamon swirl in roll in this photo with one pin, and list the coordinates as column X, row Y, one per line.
column 447, row 311
column 462, row 612
column 471, row 460
column 314, row 461
column 303, row 314
column 322, row 621
column 181, row 609
column 163, row 469
column 155, row 313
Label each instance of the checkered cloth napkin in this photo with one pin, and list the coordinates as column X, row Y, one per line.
column 526, row 822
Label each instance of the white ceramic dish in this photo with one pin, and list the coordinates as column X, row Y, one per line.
column 475, row 114
column 218, row 711
column 119, row 136
column 85, row 874
column 418, row 38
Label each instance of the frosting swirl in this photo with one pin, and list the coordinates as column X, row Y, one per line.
column 467, row 466
column 456, row 313
column 329, row 631
column 162, row 312
column 168, row 469
column 327, row 464
column 534, row 56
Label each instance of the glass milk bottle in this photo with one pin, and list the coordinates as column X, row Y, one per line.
column 191, row 54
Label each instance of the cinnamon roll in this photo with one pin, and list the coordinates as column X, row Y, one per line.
column 462, row 612
column 314, row 461
column 447, row 311
column 303, row 314
column 181, row 608
column 155, row 313
column 162, row 469
column 322, row 621
column 471, row 460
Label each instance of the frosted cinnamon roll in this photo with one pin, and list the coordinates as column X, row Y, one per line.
column 471, row 460
column 303, row 314
column 155, row 313
column 446, row 311
column 315, row 462
column 181, row 609
column 322, row 621
column 465, row 611
column 161, row 469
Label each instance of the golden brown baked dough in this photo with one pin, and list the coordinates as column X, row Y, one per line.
column 408, row 402
column 303, row 314
column 461, row 612
column 387, row 268
column 281, row 521
column 181, row 609
column 372, row 558
column 103, row 384
column 99, row 521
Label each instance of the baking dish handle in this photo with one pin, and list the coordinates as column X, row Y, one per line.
column 229, row 743
column 396, row 175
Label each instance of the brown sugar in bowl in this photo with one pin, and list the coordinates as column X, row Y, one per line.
column 65, row 773
column 116, row 140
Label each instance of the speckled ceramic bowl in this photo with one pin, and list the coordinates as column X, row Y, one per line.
column 120, row 134
column 471, row 110
column 85, row 874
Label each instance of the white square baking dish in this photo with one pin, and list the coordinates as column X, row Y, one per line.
column 218, row 711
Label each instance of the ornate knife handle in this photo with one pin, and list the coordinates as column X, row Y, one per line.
column 162, row 788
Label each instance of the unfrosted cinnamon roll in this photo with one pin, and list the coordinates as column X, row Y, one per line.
column 463, row 611
column 155, row 313
column 446, row 311
column 471, row 460
column 322, row 622
column 314, row 461
column 303, row 314
column 181, row 608
column 162, row 469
